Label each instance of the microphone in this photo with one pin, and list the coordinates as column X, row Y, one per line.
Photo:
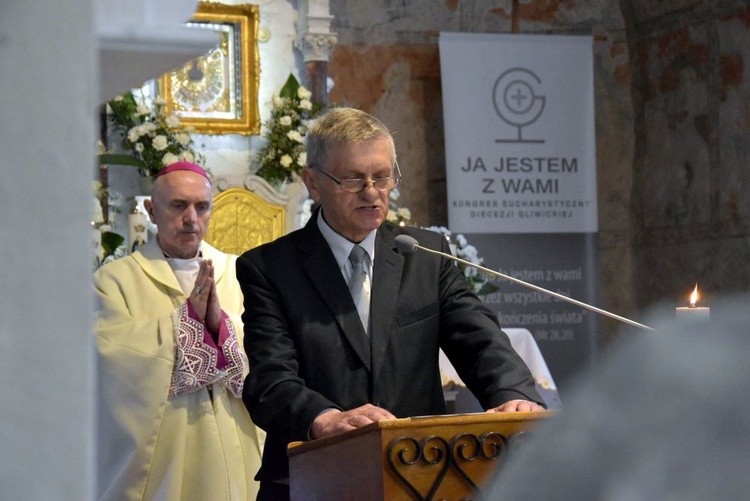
column 406, row 243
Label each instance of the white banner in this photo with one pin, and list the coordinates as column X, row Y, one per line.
column 519, row 133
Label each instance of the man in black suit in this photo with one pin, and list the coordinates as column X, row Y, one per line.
column 318, row 367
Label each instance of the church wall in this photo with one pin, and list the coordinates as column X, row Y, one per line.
column 671, row 123
column 690, row 206
column 387, row 62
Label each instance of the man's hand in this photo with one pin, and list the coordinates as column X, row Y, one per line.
column 335, row 421
column 517, row 406
column 204, row 298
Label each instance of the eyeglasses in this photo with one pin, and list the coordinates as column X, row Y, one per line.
column 357, row 185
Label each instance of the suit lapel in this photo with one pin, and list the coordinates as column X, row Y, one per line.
column 387, row 270
column 320, row 265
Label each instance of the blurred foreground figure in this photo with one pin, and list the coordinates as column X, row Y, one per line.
column 666, row 418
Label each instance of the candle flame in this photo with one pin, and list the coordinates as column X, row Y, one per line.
column 694, row 296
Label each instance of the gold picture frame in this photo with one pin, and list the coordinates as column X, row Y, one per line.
column 217, row 93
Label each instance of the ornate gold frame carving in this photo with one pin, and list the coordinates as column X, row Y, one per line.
column 217, row 93
column 241, row 220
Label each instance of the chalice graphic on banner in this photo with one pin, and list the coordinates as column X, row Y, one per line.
column 517, row 102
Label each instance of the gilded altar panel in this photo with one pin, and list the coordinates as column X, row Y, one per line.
column 242, row 220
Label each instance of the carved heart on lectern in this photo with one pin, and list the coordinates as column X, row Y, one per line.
column 466, row 448
column 420, row 465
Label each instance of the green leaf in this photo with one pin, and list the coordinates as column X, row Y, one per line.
column 487, row 288
column 110, row 242
column 125, row 111
column 290, row 87
column 120, row 159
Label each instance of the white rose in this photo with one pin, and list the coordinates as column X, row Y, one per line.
column 169, row 159
column 147, row 128
column 160, row 142
column 160, row 101
column 305, row 105
column 472, row 251
column 143, row 110
column 302, row 159
column 172, row 121
column 278, row 102
column 188, row 156
column 404, row 213
column 285, row 161
column 183, row 138
column 134, row 134
column 120, row 251
column 286, row 120
column 303, row 93
column 391, row 217
column 139, row 147
column 295, row 136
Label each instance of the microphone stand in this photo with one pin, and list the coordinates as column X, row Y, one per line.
column 532, row 286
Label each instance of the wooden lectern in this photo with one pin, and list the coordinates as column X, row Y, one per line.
column 420, row 458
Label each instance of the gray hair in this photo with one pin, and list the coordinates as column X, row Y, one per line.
column 343, row 125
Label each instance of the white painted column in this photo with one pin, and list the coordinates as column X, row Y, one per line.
column 48, row 84
column 315, row 38
column 316, row 41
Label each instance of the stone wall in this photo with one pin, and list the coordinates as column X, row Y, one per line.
column 387, row 62
column 671, row 124
column 690, row 217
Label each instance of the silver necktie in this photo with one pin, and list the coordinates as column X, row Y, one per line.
column 359, row 285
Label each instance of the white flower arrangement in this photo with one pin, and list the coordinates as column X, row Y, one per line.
column 152, row 138
column 397, row 215
column 120, row 251
column 283, row 154
column 461, row 248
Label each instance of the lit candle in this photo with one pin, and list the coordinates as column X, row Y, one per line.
column 693, row 313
